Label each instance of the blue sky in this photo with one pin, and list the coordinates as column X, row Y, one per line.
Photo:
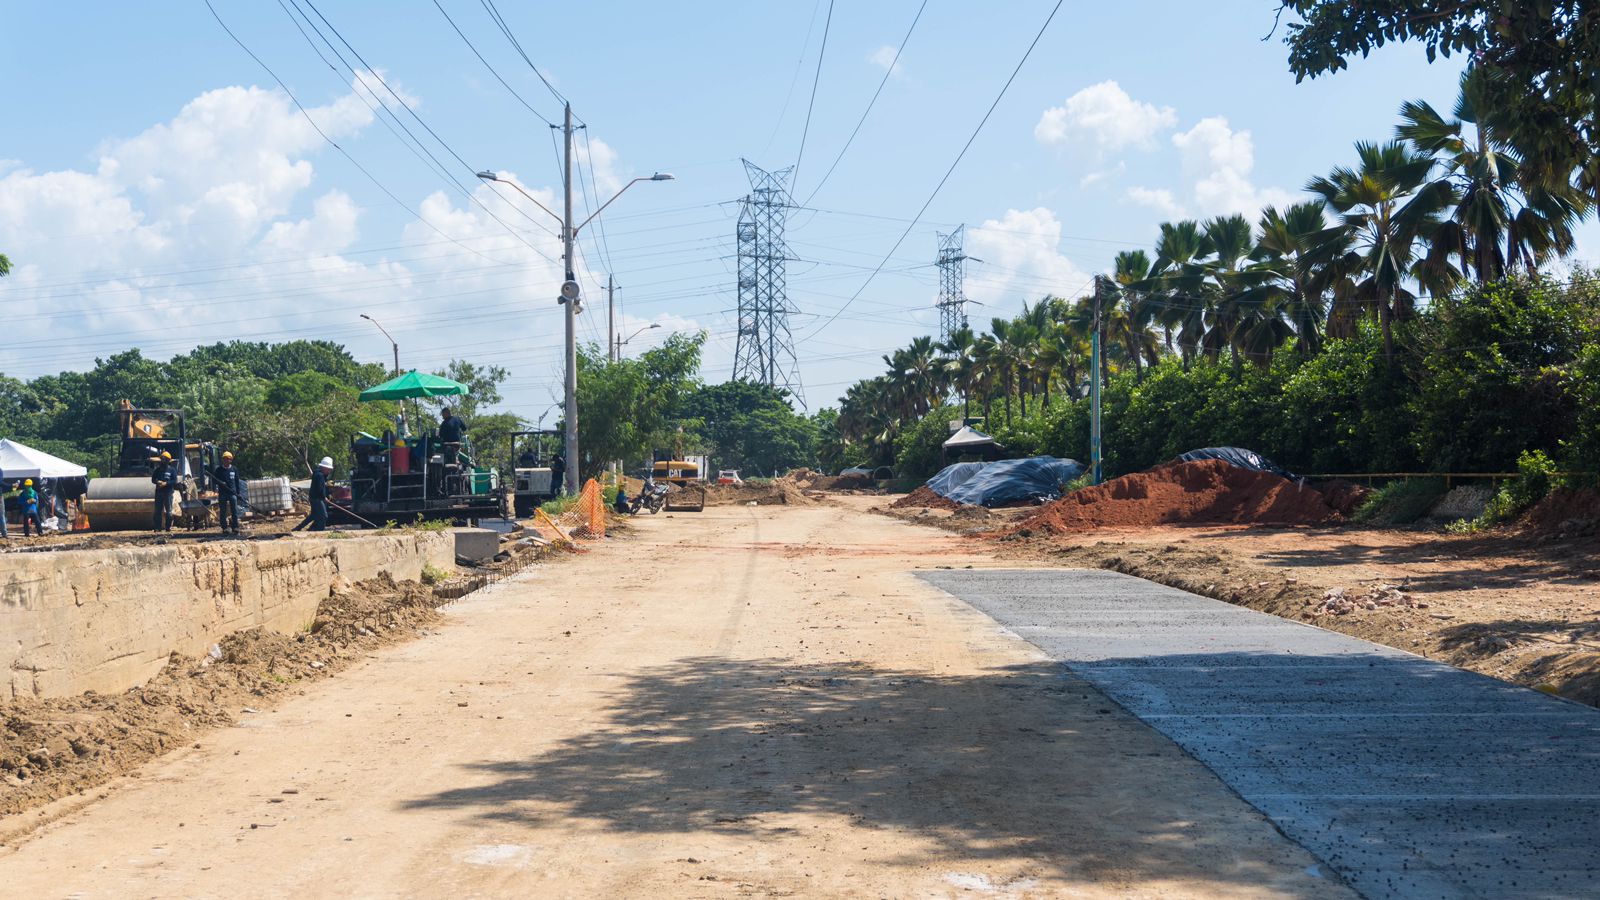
column 157, row 188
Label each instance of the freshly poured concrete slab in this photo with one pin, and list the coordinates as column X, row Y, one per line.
column 1409, row 777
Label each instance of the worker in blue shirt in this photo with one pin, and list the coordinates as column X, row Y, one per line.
column 230, row 488
column 28, row 503
column 5, row 488
column 452, row 431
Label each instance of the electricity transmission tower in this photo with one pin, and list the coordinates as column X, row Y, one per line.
column 952, row 272
column 765, row 350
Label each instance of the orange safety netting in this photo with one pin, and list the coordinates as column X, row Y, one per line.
column 587, row 517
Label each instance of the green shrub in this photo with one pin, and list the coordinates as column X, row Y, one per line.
column 559, row 505
column 1401, row 502
column 1535, row 476
column 432, row 574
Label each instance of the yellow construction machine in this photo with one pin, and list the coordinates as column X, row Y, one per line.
column 126, row 500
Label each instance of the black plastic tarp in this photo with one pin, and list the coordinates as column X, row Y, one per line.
column 1005, row 481
column 1244, row 459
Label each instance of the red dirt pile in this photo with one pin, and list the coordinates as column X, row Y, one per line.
column 1566, row 511
column 1206, row 492
column 924, row 497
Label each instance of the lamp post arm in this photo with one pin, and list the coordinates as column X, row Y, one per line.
column 606, row 204
column 490, row 176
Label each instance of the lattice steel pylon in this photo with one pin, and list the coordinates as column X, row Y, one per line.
column 952, row 273
column 765, row 350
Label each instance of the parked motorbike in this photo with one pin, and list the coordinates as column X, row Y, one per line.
column 652, row 497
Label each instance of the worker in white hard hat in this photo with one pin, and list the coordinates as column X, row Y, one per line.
column 165, row 477
column 318, row 520
column 230, row 487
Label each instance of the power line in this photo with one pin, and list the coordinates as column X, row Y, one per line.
column 864, row 113
column 491, row 68
column 506, row 30
column 822, row 53
column 948, row 172
column 324, row 135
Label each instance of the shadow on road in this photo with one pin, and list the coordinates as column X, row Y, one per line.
column 1027, row 762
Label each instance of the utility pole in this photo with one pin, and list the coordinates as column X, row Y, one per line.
column 1094, row 383
column 611, row 317
column 569, row 299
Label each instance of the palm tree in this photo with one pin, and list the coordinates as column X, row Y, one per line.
column 5, row 265
column 1173, row 288
column 1292, row 285
column 959, row 365
column 1501, row 219
column 1127, row 322
column 1228, row 243
column 1386, row 207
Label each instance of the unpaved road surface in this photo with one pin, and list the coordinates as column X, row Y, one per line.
column 746, row 702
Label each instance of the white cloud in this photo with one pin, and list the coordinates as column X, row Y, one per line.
column 884, row 58
column 206, row 227
column 1218, row 162
column 1104, row 117
column 1094, row 178
column 1021, row 259
column 1159, row 199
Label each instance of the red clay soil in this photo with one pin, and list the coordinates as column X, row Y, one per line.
column 1345, row 497
column 924, row 496
column 1205, row 492
column 1566, row 511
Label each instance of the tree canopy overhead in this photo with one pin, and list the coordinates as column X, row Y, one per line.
column 1541, row 59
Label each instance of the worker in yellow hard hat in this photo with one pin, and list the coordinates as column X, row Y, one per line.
column 164, row 475
column 28, row 505
column 230, row 488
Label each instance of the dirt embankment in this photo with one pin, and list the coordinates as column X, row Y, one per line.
column 1204, row 492
column 761, row 493
column 52, row 748
column 924, row 498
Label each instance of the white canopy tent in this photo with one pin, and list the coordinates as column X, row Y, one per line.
column 21, row 461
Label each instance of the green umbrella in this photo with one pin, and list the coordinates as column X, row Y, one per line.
column 414, row 384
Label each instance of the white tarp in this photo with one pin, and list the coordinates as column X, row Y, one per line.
column 21, row 461
column 968, row 438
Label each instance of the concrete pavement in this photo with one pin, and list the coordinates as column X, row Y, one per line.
column 1408, row 777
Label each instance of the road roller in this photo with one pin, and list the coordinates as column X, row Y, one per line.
column 126, row 500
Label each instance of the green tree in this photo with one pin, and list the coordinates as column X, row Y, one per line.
column 1541, row 62
column 626, row 407
column 1386, row 207
column 751, row 427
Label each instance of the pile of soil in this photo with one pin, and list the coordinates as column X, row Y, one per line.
column 1566, row 511
column 55, row 747
column 1204, row 492
column 810, row 480
column 924, row 497
column 1344, row 497
column 763, row 493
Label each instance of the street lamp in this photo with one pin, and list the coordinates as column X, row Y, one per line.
column 621, row 342
column 570, row 290
column 396, row 347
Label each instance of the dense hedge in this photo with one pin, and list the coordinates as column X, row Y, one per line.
column 1477, row 380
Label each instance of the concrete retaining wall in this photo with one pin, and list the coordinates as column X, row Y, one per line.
column 106, row 620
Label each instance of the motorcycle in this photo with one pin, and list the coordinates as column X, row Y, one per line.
column 652, row 497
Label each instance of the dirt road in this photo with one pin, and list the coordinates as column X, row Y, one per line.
column 751, row 701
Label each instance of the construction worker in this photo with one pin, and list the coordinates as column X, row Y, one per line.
column 318, row 520
column 5, row 488
column 452, row 431
column 165, row 478
column 620, row 505
column 558, row 474
column 229, row 489
column 28, row 503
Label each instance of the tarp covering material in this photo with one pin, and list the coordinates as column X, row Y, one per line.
column 968, row 438
column 1244, row 459
column 21, row 461
column 1037, row 478
column 414, row 384
column 953, row 476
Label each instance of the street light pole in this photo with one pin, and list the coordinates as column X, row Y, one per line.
column 622, row 342
column 611, row 316
column 569, row 287
column 393, row 344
